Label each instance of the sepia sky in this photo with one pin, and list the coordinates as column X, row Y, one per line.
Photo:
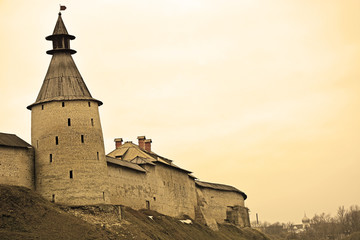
column 261, row 95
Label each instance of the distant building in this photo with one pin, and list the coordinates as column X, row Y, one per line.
column 66, row 161
column 298, row 228
column 305, row 221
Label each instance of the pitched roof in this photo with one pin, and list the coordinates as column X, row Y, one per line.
column 141, row 160
column 133, row 153
column 123, row 163
column 221, row 187
column 11, row 140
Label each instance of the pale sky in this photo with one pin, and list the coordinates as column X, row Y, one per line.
column 260, row 95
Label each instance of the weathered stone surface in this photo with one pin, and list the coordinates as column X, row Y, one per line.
column 79, row 149
column 17, row 166
column 163, row 189
column 214, row 203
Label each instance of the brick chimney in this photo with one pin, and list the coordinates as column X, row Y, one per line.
column 148, row 145
column 118, row 142
column 141, row 141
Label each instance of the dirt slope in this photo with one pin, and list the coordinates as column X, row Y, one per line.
column 26, row 215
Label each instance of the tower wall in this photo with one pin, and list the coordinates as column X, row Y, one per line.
column 69, row 152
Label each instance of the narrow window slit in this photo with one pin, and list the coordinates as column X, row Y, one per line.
column 97, row 155
column 53, row 198
column 51, row 158
column 63, row 104
column 89, row 104
column 57, row 140
column 69, row 122
column 71, row 174
column 92, row 122
column 82, row 138
column 42, row 107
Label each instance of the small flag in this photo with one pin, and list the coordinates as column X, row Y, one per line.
column 62, row 8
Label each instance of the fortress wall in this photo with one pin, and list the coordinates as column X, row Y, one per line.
column 17, row 166
column 128, row 187
column 216, row 202
column 176, row 194
column 162, row 189
column 72, row 171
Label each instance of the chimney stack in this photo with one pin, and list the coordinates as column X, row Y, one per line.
column 118, row 142
column 141, row 141
column 148, row 145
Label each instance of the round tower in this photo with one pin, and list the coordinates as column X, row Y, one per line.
column 70, row 163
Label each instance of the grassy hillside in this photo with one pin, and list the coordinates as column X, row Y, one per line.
column 26, row 215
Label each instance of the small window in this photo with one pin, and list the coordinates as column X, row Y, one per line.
column 147, row 204
column 104, row 196
column 89, row 104
column 53, row 198
column 42, row 107
column 82, row 138
column 71, row 174
column 63, row 104
column 57, row 140
column 51, row 158
column 154, row 198
column 97, row 155
column 69, row 122
column 92, row 122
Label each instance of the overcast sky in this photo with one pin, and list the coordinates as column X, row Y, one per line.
column 260, row 95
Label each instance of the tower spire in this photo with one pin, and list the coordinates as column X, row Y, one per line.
column 60, row 38
column 63, row 80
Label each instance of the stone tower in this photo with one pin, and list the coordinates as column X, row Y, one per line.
column 66, row 132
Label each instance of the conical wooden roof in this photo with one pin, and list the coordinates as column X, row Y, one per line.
column 60, row 27
column 63, row 80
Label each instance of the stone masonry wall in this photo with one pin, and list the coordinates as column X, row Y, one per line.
column 176, row 191
column 215, row 202
column 128, row 187
column 70, row 158
column 17, row 166
column 164, row 189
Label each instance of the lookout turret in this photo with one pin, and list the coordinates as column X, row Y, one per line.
column 61, row 38
column 66, row 131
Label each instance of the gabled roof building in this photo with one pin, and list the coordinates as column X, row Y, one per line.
column 66, row 161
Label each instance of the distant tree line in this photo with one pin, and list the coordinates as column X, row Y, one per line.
column 344, row 226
